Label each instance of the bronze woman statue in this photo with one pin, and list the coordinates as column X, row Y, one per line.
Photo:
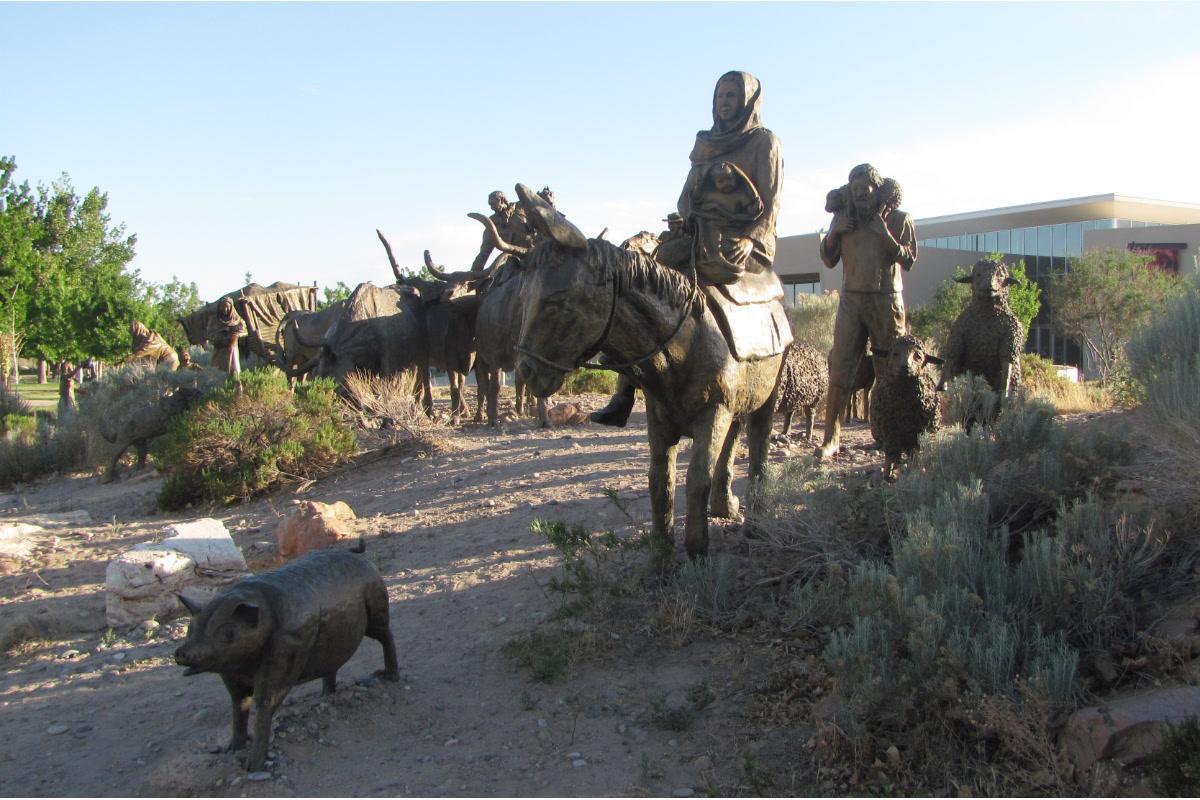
column 721, row 240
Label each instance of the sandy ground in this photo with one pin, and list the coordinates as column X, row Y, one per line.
column 87, row 712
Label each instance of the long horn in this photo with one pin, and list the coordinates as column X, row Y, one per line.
column 391, row 258
column 497, row 242
column 601, row 235
column 449, row 277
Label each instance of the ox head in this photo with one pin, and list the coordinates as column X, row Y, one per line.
column 989, row 281
column 565, row 301
column 906, row 358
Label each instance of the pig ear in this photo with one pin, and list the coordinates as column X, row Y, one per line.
column 246, row 613
column 192, row 606
column 1010, row 280
column 937, row 362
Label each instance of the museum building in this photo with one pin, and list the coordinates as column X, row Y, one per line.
column 1043, row 235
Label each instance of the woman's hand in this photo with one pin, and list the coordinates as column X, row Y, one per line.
column 736, row 250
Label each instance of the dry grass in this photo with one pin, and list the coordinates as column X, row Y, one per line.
column 1077, row 398
column 392, row 404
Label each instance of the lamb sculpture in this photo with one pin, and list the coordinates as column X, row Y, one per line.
column 987, row 338
column 904, row 401
column 802, row 383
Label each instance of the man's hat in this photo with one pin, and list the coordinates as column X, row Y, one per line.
column 674, row 216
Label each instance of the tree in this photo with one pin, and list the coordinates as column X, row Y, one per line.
column 1106, row 295
column 19, row 260
column 333, row 295
column 933, row 320
column 164, row 304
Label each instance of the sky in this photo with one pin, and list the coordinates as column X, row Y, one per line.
column 274, row 138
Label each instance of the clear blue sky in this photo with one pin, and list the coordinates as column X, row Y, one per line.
column 274, row 138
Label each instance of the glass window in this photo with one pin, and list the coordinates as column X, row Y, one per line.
column 1059, row 246
column 1075, row 239
column 1124, row 223
column 1043, row 240
column 1004, row 241
column 1017, row 245
column 1031, row 239
column 943, row 241
column 989, row 242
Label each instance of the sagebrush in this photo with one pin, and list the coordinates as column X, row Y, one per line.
column 250, row 436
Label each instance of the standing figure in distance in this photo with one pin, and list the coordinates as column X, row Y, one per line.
column 224, row 330
column 875, row 243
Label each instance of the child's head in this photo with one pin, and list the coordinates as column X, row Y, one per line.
column 835, row 200
column 724, row 178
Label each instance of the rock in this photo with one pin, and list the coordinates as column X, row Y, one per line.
column 685, row 791
column 314, row 526
column 579, row 762
column 57, row 728
column 1128, row 728
column 141, row 584
column 702, row 763
column 258, row 776
column 574, row 755
column 566, row 414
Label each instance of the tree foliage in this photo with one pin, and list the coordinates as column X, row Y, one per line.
column 65, row 286
column 934, row 319
column 1104, row 297
column 333, row 294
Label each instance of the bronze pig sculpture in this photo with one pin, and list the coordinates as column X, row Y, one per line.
column 270, row 632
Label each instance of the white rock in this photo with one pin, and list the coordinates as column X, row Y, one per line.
column 56, row 729
column 17, row 539
column 206, row 541
column 142, row 583
column 258, row 776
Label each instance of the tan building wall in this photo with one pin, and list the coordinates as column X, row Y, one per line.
column 1121, row 238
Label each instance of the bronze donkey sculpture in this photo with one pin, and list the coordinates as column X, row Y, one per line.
column 586, row 297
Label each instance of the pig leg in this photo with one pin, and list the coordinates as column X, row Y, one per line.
column 239, row 696
column 269, row 693
column 379, row 628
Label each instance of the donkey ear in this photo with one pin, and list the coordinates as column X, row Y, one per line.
column 548, row 221
column 937, row 362
column 964, row 279
column 1009, row 281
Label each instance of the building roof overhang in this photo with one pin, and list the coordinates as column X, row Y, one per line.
column 1074, row 209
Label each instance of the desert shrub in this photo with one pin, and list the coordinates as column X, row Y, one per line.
column 1164, row 358
column 250, row 436
column 125, row 392
column 596, row 567
column 968, row 398
column 590, row 381
column 975, row 593
column 13, row 403
column 19, row 426
column 1174, row 768
column 41, row 450
column 1039, row 378
column 812, row 320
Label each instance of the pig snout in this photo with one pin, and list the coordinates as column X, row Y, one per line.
column 185, row 657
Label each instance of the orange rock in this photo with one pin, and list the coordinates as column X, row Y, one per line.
column 314, row 526
column 565, row 414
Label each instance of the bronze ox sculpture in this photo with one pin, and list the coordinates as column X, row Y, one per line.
column 586, row 297
column 498, row 319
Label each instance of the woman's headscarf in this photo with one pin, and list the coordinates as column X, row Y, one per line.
column 726, row 136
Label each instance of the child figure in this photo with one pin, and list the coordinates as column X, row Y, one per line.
column 726, row 203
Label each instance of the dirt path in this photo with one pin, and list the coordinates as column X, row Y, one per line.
column 85, row 713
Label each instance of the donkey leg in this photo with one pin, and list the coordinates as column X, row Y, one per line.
column 664, row 446
column 708, row 441
column 480, row 389
column 758, row 438
column 723, row 502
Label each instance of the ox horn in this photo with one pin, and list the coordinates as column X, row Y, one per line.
column 303, row 369
column 602, row 233
column 497, row 241
column 450, row 277
column 307, row 343
column 391, row 258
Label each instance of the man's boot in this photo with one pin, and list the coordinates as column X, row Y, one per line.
column 619, row 407
column 835, row 402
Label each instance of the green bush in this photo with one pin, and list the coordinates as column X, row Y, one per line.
column 590, row 381
column 19, row 426
column 812, row 320
column 1175, row 767
column 251, row 436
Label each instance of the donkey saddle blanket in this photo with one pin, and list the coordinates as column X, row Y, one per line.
column 751, row 315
